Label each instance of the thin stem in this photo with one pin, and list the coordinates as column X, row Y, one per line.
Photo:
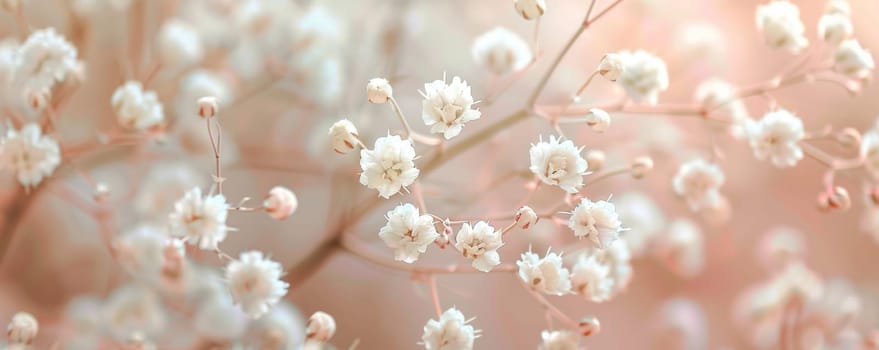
column 356, row 247
column 559, row 314
column 431, row 282
column 606, row 175
column 215, row 146
column 406, row 128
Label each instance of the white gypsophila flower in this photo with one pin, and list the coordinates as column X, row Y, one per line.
column 8, row 52
column 596, row 221
column 559, row 340
column 841, row 7
column 30, row 154
column 140, row 250
column 525, row 217
column 343, row 136
column 389, row 166
column 643, row 218
column 776, row 137
column 44, row 59
column 480, row 243
column 797, row 282
column 698, row 182
column 447, row 107
column 559, row 163
column 611, row 66
column 644, row 76
column 22, row 329
column 136, row 108
column 282, row 328
column 450, row 332
column 681, row 248
column 280, row 203
column 700, row 42
column 598, row 120
column 200, row 219
column 178, row 44
column 853, row 60
column 545, row 275
column 318, row 75
column 719, row 95
column 780, row 246
column 501, row 51
column 408, row 232
column 133, row 308
column 779, row 22
column 833, row 28
column 530, row 9
column 682, row 321
column 163, row 185
column 870, row 151
column 590, row 277
column 195, row 85
column 217, row 318
column 319, row 27
column 619, row 257
column 255, row 282
column 379, row 90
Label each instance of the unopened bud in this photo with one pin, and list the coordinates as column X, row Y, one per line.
column 595, row 159
column 530, row 9
column 280, row 203
column 38, row 99
column 320, row 327
column 641, row 166
column 344, row 136
column 611, row 66
column 589, row 325
column 849, row 137
column 379, row 90
column 598, row 120
column 22, row 329
column 207, row 107
column 526, row 217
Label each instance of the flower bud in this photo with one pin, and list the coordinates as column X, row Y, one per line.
column 530, row 9
column 598, row 120
column 320, row 327
column 11, row 5
column 611, row 66
column 641, row 166
column 102, row 191
column 38, row 99
column 280, row 203
column 595, row 159
column 138, row 342
column 849, row 137
column 207, row 107
column 378, row 90
column 589, row 325
column 344, row 136
column 873, row 194
column 526, row 217
column 834, row 28
column 443, row 240
column 22, row 329
column 841, row 7
column 839, row 199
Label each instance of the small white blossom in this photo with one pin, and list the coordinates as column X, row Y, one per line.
column 22, row 329
column 780, row 246
column 447, row 107
column 217, row 317
column 525, row 217
column 612, row 66
column 133, row 308
column 853, row 60
column 833, row 28
column 136, row 108
column 545, row 275
column 389, row 166
column 644, row 76
column 379, row 90
column 30, row 154
column 718, row 95
column 779, row 22
column 641, row 166
column 140, row 250
column 320, row 327
column 255, row 282
column 44, row 59
column 450, row 332
column 797, row 282
column 596, row 221
column 344, row 136
column 501, row 51
column 681, row 248
column 178, row 44
column 643, row 217
column 200, row 219
column 530, row 9
column 870, row 151
column 841, row 7
column 163, row 185
column 280, row 203
column 776, row 137
column 590, row 277
column 480, row 243
column 558, row 163
column 408, row 232
column 699, row 182
column 559, row 340
column 598, row 120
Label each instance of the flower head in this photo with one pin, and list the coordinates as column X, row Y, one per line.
column 200, row 219
column 255, row 282
column 44, row 59
column 135, row 108
column 379, row 90
column 30, row 154
column 389, row 166
column 530, row 9
column 716, row 94
column 344, row 136
column 776, row 137
column 558, row 163
column 501, row 51
column 450, row 332
column 22, row 329
column 559, row 340
column 779, row 22
column 699, row 182
column 480, row 243
column 596, row 221
column 598, row 120
column 590, row 277
column 853, row 60
column 546, row 275
column 833, row 28
column 681, row 248
column 644, row 75
column 408, row 232
column 612, row 66
column 447, row 107
column 178, row 44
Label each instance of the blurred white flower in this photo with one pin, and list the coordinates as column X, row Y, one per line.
column 22, row 329
column 596, row 221
column 545, row 275
column 282, row 328
column 200, row 219
column 343, row 135
column 501, row 51
column 44, row 59
column 716, row 95
column 559, row 340
column 320, row 327
column 255, row 282
column 853, row 60
column 140, row 250
column 841, row 7
column 389, row 166
column 408, row 232
column 558, row 163
column 136, row 108
column 591, row 278
column 447, row 107
column 163, row 185
column 530, row 9
column 598, row 120
column 612, row 66
column 780, row 246
column 133, row 308
column 833, row 28
column 450, row 332
column 698, row 182
column 379, row 90
column 30, row 154
column 796, row 282
column 870, row 151
column 681, row 248
column 776, row 137
column 644, row 76
column 643, row 218
column 779, row 22
column 480, row 243
column 178, row 44
column 218, row 318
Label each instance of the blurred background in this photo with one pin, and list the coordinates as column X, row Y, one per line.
column 274, row 129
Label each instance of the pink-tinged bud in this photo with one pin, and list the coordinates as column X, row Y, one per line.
column 280, row 203
column 22, row 329
column 589, row 325
column 839, row 199
column 208, row 107
column 344, row 136
column 379, row 90
column 849, row 137
column 595, row 159
column 526, row 217
column 443, row 240
column 320, row 327
column 641, row 166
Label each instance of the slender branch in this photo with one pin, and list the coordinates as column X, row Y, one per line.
column 356, row 247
